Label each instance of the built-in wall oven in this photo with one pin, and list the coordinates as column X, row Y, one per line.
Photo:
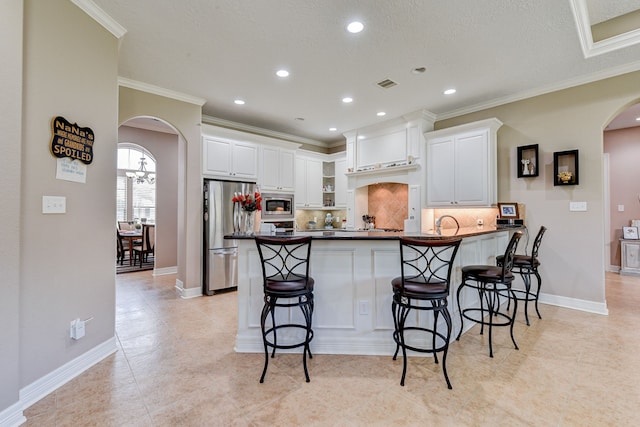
column 277, row 206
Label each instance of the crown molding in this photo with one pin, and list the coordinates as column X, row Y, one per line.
column 591, row 49
column 101, row 17
column 566, row 84
column 261, row 131
column 157, row 90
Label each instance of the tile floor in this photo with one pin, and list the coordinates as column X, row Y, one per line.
column 176, row 367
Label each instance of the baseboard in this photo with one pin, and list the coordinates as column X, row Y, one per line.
column 186, row 293
column 12, row 416
column 165, row 271
column 575, row 304
column 53, row 380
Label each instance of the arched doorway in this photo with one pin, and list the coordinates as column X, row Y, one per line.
column 621, row 150
column 160, row 141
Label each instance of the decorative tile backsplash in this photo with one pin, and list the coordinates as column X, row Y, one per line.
column 389, row 203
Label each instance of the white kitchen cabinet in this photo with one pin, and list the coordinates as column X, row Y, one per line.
column 308, row 188
column 461, row 165
column 630, row 257
column 229, row 159
column 277, row 167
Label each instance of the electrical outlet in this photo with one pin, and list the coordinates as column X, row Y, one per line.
column 54, row 204
column 76, row 329
column 364, row 307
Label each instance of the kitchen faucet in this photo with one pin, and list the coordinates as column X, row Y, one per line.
column 439, row 222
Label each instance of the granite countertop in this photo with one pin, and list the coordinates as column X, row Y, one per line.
column 340, row 234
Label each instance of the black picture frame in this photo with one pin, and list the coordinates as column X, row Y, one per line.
column 565, row 168
column 528, row 161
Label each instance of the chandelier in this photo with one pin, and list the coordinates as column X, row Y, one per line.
column 142, row 175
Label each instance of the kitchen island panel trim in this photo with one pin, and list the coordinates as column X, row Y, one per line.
column 368, row 280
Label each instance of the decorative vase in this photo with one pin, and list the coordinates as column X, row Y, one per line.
column 248, row 218
column 237, row 218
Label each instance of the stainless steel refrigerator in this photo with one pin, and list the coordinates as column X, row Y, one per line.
column 220, row 255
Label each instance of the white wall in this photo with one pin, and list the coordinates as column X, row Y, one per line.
column 10, row 165
column 67, row 269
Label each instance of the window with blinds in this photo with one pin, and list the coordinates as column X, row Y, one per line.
column 134, row 200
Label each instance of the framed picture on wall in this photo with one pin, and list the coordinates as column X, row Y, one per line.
column 508, row 210
column 630, row 233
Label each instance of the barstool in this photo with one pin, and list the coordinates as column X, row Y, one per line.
column 426, row 267
column 526, row 265
column 285, row 272
column 491, row 282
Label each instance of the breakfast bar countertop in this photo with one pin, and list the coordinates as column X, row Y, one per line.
column 342, row 234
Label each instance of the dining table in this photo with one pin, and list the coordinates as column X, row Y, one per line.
column 131, row 236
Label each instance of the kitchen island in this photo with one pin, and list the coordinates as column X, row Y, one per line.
column 353, row 272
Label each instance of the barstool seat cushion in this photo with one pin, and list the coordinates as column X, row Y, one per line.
column 487, row 273
column 417, row 287
column 290, row 284
column 520, row 260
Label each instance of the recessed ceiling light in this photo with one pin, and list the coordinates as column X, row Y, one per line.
column 347, row 99
column 333, row 129
column 637, row 119
column 449, row 91
column 282, row 73
column 381, row 113
column 355, row 27
column 361, row 137
column 239, row 102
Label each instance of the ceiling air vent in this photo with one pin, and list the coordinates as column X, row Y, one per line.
column 386, row 83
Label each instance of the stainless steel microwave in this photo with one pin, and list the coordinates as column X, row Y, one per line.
column 276, row 206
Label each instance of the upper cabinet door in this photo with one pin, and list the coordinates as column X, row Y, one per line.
column 440, row 172
column 471, row 164
column 245, row 160
column 230, row 159
column 278, row 167
column 341, row 183
column 217, row 157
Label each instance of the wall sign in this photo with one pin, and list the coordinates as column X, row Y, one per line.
column 72, row 141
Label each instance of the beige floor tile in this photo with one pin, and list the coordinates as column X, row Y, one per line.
column 176, row 367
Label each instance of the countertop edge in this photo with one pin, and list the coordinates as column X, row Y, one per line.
column 378, row 235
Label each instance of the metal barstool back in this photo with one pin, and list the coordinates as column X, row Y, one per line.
column 491, row 282
column 426, row 266
column 286, row 284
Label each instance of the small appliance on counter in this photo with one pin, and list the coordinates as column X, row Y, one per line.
column 509, row 222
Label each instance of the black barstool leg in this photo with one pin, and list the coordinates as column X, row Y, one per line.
column 435, row 328
column 272, row 303
column 462, row 285
column 396, row 337
column 538, row 290
column 482, row 292
column 491, row 309
column 306, row 311
column 263, row 318
column 527, row 288
column 447, row 319
column 404, row 313
column 513, row 318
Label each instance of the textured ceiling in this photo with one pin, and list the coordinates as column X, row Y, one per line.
column 491, row 51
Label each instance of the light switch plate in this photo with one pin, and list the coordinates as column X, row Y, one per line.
column 54, row 204
column 578, row 206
